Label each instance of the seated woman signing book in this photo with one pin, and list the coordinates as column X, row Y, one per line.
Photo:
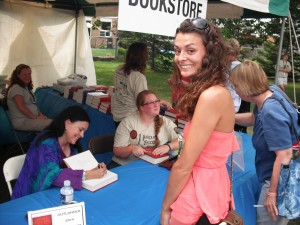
column 146, row 129
column 44, row 166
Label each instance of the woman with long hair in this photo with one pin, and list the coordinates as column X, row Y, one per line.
column 44, row 166
column 129, row 81
column 23, row 111
column 199, row 181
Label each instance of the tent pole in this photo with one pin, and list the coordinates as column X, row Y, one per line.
column 292, row 53
column 75, row 49
column 280, row 47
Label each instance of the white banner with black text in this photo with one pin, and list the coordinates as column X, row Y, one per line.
column 160, row 17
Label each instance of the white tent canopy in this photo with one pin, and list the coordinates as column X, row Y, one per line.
column 45, row 40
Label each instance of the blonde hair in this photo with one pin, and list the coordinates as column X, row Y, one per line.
column 233, row 46
column 249, row 78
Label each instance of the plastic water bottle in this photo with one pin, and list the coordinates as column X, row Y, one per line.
column 66, row 193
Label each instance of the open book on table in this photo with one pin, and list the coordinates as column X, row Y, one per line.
column 86, row 161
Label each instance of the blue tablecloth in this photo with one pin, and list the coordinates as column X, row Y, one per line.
column 135, row 199
column 51, row 103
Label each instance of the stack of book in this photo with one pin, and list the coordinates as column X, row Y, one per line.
column 94, row 99
column 80, row 95
column 69, row 91
column 101, row 88
column 172, row 114
column 105, row 107
column 182, row 121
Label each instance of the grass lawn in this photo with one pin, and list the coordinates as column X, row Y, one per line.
column 103, row 52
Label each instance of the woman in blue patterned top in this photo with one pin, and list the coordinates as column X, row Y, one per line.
column 44, row 166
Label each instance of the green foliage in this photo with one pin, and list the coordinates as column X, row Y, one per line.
column 96, row 24
column 267, row 58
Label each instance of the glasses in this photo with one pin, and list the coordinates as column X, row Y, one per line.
column 152, row 102
column 201, row 24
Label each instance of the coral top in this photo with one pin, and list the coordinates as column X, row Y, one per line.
column 208, row 188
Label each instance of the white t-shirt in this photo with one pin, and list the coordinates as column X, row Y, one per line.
column 126, row 90
column 144, row 135
column 235, row 97
column 29, row 101
column 284, row 65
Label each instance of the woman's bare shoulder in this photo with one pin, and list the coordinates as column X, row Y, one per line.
column 216, row 91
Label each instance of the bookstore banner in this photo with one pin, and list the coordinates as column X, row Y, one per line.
column 160, row 17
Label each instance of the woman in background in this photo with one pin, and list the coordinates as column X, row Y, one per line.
column 273, row 135
column 44, row 166
column 129, row 81
column 23, row 111
column 199, row 182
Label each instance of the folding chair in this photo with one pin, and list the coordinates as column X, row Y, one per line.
column 102, row 148
column 20, row 136
column 12, row 168
column 102, row 144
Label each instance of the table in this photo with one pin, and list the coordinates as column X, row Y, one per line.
column 135, row 199
column 51, row 103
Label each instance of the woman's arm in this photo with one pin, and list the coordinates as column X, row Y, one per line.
column 173, row 145
column 244, row 119
column 209, row 110
column 282, row 157
column 19, row 100
column 125, row 152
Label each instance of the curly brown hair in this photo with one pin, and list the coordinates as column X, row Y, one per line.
column 213, row 69
column 158, row 121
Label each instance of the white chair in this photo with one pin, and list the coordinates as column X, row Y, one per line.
column 12, row 168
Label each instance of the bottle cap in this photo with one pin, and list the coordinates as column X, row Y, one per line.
column 67, row 183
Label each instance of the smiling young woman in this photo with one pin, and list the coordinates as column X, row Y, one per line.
column 199, row 182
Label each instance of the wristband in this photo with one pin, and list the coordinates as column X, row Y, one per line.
column 83, row 176
column 170, row 149
column 130, row 147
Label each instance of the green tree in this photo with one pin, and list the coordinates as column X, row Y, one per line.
column 267, row 58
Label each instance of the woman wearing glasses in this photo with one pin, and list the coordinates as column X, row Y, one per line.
column 143, row 130
column 23, row 111
column 199, row 182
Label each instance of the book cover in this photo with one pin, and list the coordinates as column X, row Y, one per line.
column 182, row 120
column 86, row 161
column 172, row 113
column 154, row 159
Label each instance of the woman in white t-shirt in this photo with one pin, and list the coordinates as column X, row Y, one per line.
column 129, row 81
column 143, row 130
column 23, row 111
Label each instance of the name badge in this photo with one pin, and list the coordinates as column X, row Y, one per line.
column 62, row 215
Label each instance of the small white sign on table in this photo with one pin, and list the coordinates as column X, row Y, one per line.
column 62, row 215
